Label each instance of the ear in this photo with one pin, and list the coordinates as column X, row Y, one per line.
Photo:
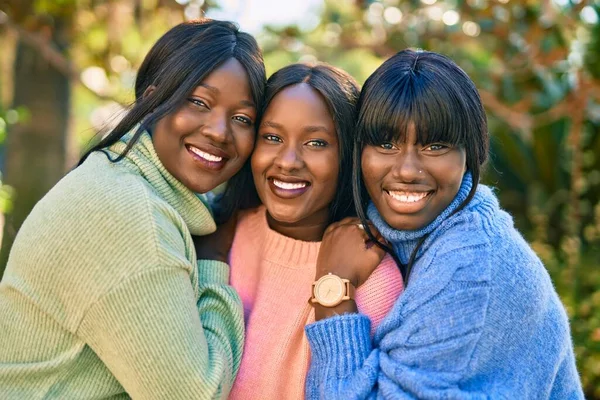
column 149, row 91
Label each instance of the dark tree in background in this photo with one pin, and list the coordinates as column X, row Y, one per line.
column 36, row 147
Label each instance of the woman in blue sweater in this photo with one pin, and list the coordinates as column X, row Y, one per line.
column 479, row 317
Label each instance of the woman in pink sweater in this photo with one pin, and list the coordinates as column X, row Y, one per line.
column 302, row 172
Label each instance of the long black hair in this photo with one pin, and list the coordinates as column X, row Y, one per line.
column 175, row 66
column 340, row 92
column 430, row 91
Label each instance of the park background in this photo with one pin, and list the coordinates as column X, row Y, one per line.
column 67, row 69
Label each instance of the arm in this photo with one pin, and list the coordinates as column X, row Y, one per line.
column 159, row 342
column 376, row 297
column 424, row 347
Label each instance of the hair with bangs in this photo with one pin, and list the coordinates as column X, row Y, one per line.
column 340, row 92
column 176, row 65
column 430, row 91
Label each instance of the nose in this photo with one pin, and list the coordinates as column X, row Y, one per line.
column 217, row 128
column 408, row 166
column 289, row 159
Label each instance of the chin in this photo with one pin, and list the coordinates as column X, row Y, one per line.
column 407, row 224
column 282, row 215
column 199, row 187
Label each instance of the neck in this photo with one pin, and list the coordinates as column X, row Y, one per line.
column 309, row 229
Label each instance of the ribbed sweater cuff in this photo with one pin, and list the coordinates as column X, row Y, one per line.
column 212, row 271
column 342, row 342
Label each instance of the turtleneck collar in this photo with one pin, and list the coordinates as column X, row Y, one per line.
column 189, row 205
column 404, row 242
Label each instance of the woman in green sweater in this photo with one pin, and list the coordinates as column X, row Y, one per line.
column 107, row 294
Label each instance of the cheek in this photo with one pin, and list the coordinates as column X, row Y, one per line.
column 450, row 170
column 181, row 122
column 163, row 140
column 373, row 169
column 260, row 160
column 327, row 170
column 330, row 166
column 244, row 144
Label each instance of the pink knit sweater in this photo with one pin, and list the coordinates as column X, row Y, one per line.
column 273, row 275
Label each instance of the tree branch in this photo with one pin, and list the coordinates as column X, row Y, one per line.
column 54, row 57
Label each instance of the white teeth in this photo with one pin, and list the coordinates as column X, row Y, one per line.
column 206, row 156
column 407, row 197
column 287, row 185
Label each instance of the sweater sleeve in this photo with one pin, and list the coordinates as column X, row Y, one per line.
column 159, row 342
column 426, row 346
column 376, row 297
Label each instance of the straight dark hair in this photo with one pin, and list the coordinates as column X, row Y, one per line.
column 428, row 90
column 340, row 92
column 175, row 66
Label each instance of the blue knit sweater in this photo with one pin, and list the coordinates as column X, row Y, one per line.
column 479, row 319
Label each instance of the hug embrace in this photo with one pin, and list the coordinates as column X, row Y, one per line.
column 234, row 237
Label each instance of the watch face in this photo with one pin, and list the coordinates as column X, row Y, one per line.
column 329, row 290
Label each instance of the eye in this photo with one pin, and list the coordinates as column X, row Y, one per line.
column 436, row 147
column 198, row 102
column 269, row 137
column 387, row 146
column 317, row 143
column 243, row 120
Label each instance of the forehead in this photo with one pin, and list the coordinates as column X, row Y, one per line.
column 298, row 103
column 230, row 79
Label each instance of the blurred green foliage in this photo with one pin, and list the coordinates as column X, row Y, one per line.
column 5, row 197
column 6, row 117
column 536, row 63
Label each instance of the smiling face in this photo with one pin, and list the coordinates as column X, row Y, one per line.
column 410, row 183
column 296, row 162
column 208, row 139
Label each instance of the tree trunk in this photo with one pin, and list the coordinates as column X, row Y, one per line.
column 37, row 146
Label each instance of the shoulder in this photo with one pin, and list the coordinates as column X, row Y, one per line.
column 101, row 217
column 480, row 245
column 475, row 231
column 96, row 228
column 487, row 232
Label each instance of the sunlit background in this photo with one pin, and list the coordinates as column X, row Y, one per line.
column 67, row 69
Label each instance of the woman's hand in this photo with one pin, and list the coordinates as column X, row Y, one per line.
column 346, row 251
column 216, row 246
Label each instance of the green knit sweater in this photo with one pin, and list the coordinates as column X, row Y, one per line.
column 103, row 295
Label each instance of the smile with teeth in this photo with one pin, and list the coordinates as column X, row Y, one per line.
column 288, row 185
column 408, row 197
column 205, row 155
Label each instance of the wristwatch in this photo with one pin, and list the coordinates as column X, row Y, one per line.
column 330, row 290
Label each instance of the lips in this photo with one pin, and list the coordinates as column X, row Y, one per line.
column 288, row 187
column 208, row 157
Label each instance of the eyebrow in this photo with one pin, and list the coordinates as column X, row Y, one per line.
column 210, row 88
column 309, row 128
column 246, row 103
